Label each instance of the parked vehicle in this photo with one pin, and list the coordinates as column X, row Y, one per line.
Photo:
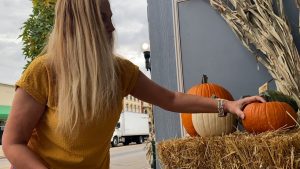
column 2, row 124
column 4, row 110
column 132, row 127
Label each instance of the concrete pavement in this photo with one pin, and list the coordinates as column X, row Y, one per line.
column 129, row 157
column 4, row 164
column 123, row 157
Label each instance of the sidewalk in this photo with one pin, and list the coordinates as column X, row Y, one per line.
column 4, row 164
column 127, row 157
column 1, row 152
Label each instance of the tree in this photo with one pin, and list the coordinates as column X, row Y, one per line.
column 35, row 2
column 37, row 28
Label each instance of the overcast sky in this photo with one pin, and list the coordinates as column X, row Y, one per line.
column 129, row 17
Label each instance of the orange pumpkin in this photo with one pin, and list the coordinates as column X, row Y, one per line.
column 261, row 117
column 205, row 90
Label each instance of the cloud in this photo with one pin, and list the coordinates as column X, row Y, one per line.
column 13, row 13
column 129, row 17
column 130, row 20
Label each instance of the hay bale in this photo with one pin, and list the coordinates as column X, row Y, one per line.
column 239, row 150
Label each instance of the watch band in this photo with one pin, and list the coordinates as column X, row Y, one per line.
column 220, row 104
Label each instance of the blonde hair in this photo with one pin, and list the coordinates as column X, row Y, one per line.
column 81, row 54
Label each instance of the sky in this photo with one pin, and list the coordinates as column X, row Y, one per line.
column 130, row 21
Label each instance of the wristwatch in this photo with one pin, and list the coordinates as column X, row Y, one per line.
column 220, row 104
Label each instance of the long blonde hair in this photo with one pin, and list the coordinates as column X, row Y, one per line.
column 82, row 57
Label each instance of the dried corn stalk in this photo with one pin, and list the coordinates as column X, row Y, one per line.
column 149, row 147
column 268, row 36
column 298, row 5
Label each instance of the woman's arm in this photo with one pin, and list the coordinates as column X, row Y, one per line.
column 147, row 90
column 24, row 116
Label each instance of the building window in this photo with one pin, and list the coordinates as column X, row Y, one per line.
column 134, row 108
column 131, row 107
column 127, row 107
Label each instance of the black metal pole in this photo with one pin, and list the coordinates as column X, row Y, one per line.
column 147, row 60
column 147, row 56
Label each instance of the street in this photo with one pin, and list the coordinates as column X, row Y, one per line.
column 4, row 164
column 123, row 157
column 129, row 157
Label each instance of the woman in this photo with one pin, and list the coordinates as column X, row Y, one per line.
column 69, row 100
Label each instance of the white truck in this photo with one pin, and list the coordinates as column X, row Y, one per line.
column 131, row 127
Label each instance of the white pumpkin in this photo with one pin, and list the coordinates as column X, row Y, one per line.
column 209, row 124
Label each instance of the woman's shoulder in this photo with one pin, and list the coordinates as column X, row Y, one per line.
column 39, row 63
column 119, row 59
column 35, row 80
column 124, row 63
column 128, row 74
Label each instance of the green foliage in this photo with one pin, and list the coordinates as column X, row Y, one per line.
column 36, row 30
column 273, row 95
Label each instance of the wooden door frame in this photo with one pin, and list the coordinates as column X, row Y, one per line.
column 178, row 52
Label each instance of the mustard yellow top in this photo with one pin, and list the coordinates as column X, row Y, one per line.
column 90, row 150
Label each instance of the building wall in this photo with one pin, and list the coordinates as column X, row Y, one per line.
column 163, row 65
column 146, row 107
column 6, row 94
column 194, row 14
column 210, row 47
column 133, row 104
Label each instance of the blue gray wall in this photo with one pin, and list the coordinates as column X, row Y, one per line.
column 163, row 72
column 292, row 14
column 163, row 63
column 208, row 47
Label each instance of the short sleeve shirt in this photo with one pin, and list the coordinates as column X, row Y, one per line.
column 91, row 148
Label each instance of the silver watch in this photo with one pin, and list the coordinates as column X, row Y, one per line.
column 221, row 111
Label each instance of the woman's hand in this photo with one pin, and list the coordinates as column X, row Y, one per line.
column 236, row 107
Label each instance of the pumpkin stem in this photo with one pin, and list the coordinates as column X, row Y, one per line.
column 204, row 79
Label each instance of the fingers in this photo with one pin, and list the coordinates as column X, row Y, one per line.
column 240, row 114
column 251, row 99
column 237, row 106
column 260, row 99
column 246, row 101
